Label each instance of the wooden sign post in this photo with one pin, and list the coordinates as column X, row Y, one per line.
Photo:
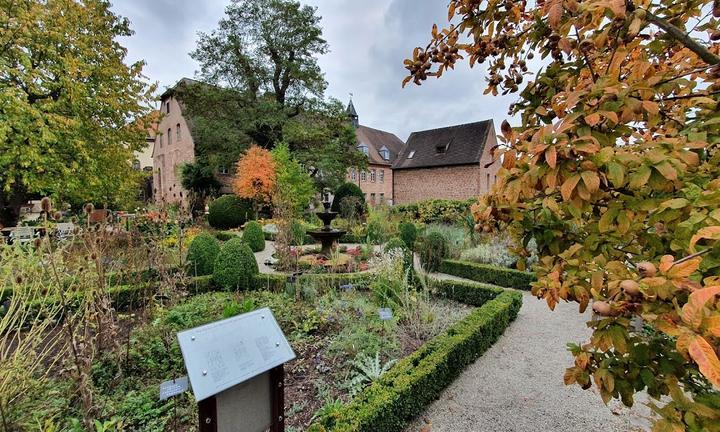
column 236, row 370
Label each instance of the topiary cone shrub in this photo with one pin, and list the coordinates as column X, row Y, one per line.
column 235, row 266
column 201, row 255
column 349, row 190
column 432, row 249
column 408, row 234
column 229, row 211
column 253, row 236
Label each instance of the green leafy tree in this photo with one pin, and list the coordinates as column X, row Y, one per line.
column 292, row 181
column 199, row 179
column 72, row 111
column 263, row 85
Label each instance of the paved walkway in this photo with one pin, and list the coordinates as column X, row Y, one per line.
column 517, row 385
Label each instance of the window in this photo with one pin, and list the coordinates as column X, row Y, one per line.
column 223, row 170
column 363, row 176
column 160, row 138
column 372, row 175
column 487, row 182
column 363, row 148
column 177, row 132
column 440, row 149
column 411, row 154
column 382, row 198
column 353, row 174
column 382, row 176
column 372, row 198
column 167, row 106
column 385, row 153
column 169, row 136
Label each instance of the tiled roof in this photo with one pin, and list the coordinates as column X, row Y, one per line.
column 375, row 140
column 453, row 145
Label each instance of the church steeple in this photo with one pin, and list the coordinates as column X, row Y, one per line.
column 352, row 114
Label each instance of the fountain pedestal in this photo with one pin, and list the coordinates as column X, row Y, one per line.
column 327, row 235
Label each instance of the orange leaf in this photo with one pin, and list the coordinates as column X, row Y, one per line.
column 555, row 11
column 551, row 156
column 713, row 325
column 592, row 119
column 712, row 233
column 706, row 358
column 684, row 269
column 591, row 180
column 568, row 187
column 692, row 310
column 666, row 262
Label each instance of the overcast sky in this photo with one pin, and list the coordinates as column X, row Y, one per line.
column 369, row 39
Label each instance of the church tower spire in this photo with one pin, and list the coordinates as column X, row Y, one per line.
column 352, row 114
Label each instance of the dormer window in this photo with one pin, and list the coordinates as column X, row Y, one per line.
column 363, row 148
column 385, row 153
column 411, row 154
column 440, row 149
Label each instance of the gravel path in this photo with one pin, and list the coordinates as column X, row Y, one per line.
column 517, row 385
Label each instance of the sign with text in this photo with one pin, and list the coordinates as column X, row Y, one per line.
column 225, row 353
column 385, row 313
column 173, row 387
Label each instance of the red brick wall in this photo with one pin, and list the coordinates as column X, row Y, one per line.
column 379, row 189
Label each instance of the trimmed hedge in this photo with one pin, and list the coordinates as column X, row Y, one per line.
column 485, row 273
column 348, row 190
column 235, row 266
column 229, row 211
column 253, row 236
column 201, row 254
column 417, row 380
column 470, row 293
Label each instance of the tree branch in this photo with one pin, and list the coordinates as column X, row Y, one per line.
column 683, row 38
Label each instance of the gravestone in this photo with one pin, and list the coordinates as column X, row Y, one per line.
column 235, row 367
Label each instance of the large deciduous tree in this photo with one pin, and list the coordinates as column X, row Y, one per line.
column 69, row 106
column 615, row 172
column 264, row 86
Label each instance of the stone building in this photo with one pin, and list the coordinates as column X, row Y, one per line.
column 447, row 163
column 381, row 148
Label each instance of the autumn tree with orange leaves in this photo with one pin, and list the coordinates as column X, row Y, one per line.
column 255, row 176
column 615, row 172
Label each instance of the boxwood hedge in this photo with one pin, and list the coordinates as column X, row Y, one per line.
column 485, row 273
column 417, row 380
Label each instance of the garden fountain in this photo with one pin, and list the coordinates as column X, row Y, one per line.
column 327, row 235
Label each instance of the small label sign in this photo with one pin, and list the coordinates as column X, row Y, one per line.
column 385, row 313
column 174, row 387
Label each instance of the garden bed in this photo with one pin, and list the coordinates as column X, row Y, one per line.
column 334, row 336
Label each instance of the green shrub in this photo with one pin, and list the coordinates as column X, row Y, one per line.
column 435, row 211
column 418, row 379
column 299, row 234
column 499, row 276
column 229, row 211
column 408, row 234
column 201, row 254
column 235, row 266
column 225, row 235
column 349, row 190
column 253, row 236
column 455, row 237
column 432, row 249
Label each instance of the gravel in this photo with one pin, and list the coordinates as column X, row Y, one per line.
column 517, row 385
